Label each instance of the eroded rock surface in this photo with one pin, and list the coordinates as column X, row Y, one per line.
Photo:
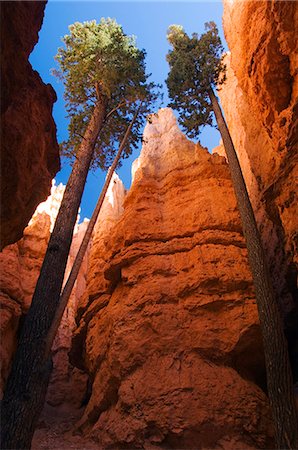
column 261, row 108
column 20, row 265
column 68, row 385
column 29, row 149
column 168, row 327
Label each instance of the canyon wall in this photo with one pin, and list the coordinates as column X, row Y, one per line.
column 20, row 265
column 168, row 329
column 29, row 148
column 260, row 102
column 68, row 384
column 167, row 323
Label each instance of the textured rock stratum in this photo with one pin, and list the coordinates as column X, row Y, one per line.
column 68, row 384
column 260, row 101
column 20, row 265
column 168, row 328
column 29, row 148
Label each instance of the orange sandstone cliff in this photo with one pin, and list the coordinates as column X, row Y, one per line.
column 20, row 265
column 29, row 148
column 168, row 327
column 260, row 101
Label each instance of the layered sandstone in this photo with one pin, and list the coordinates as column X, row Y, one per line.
column 261, row 108
column 29, row 149
column 111, row 210
column 168, row 327
column 20, row 265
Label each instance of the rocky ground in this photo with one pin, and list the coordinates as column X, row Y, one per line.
column 56, row 430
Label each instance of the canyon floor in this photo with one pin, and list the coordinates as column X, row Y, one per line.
column 55, row 431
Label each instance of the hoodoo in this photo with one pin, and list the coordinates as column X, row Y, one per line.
column 169, row 331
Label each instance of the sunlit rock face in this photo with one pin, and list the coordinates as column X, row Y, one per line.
column 29, row 149
column 168, row 327
column 260, row 105
column 20, row 265
column 68, row 385
column 111, row 210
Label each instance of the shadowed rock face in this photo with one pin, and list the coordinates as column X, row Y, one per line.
column 20, row 265
column 29, row 149
column 168, row 326
column 260, row 104
column 68, row 384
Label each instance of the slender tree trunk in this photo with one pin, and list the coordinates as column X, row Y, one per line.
column 28, row 380
column 83, row 247
column 279, row 375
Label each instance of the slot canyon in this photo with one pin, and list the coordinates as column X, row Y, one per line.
column 160, row 345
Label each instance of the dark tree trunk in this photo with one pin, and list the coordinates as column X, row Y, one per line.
column 84, row 245
column 279, row 375
column 28, row 380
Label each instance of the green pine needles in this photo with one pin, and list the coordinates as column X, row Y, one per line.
column 195, row 67
column 99, row 60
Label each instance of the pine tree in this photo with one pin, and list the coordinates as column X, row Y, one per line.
column 105, row 81
column 196, row 69
column 69, row 284
column 100, row 64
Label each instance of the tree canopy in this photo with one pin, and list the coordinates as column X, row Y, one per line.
column 98, row 58
column 195, row 66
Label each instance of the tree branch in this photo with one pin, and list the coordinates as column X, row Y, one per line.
column 115, row 109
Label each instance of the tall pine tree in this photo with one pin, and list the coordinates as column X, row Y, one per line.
column 105, row 81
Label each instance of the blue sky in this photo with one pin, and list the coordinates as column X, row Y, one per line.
column 148, row 21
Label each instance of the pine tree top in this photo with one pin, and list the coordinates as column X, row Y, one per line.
column 195, row 66
column 99, row 57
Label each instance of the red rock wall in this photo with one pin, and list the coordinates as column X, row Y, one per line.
column 29, row 149
column 168, row 327
column 261, row 107
column 20, row 265
column 68, row 384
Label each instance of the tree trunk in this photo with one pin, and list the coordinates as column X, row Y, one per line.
column 83, row 247
column 279, row 375
column 28, row 380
